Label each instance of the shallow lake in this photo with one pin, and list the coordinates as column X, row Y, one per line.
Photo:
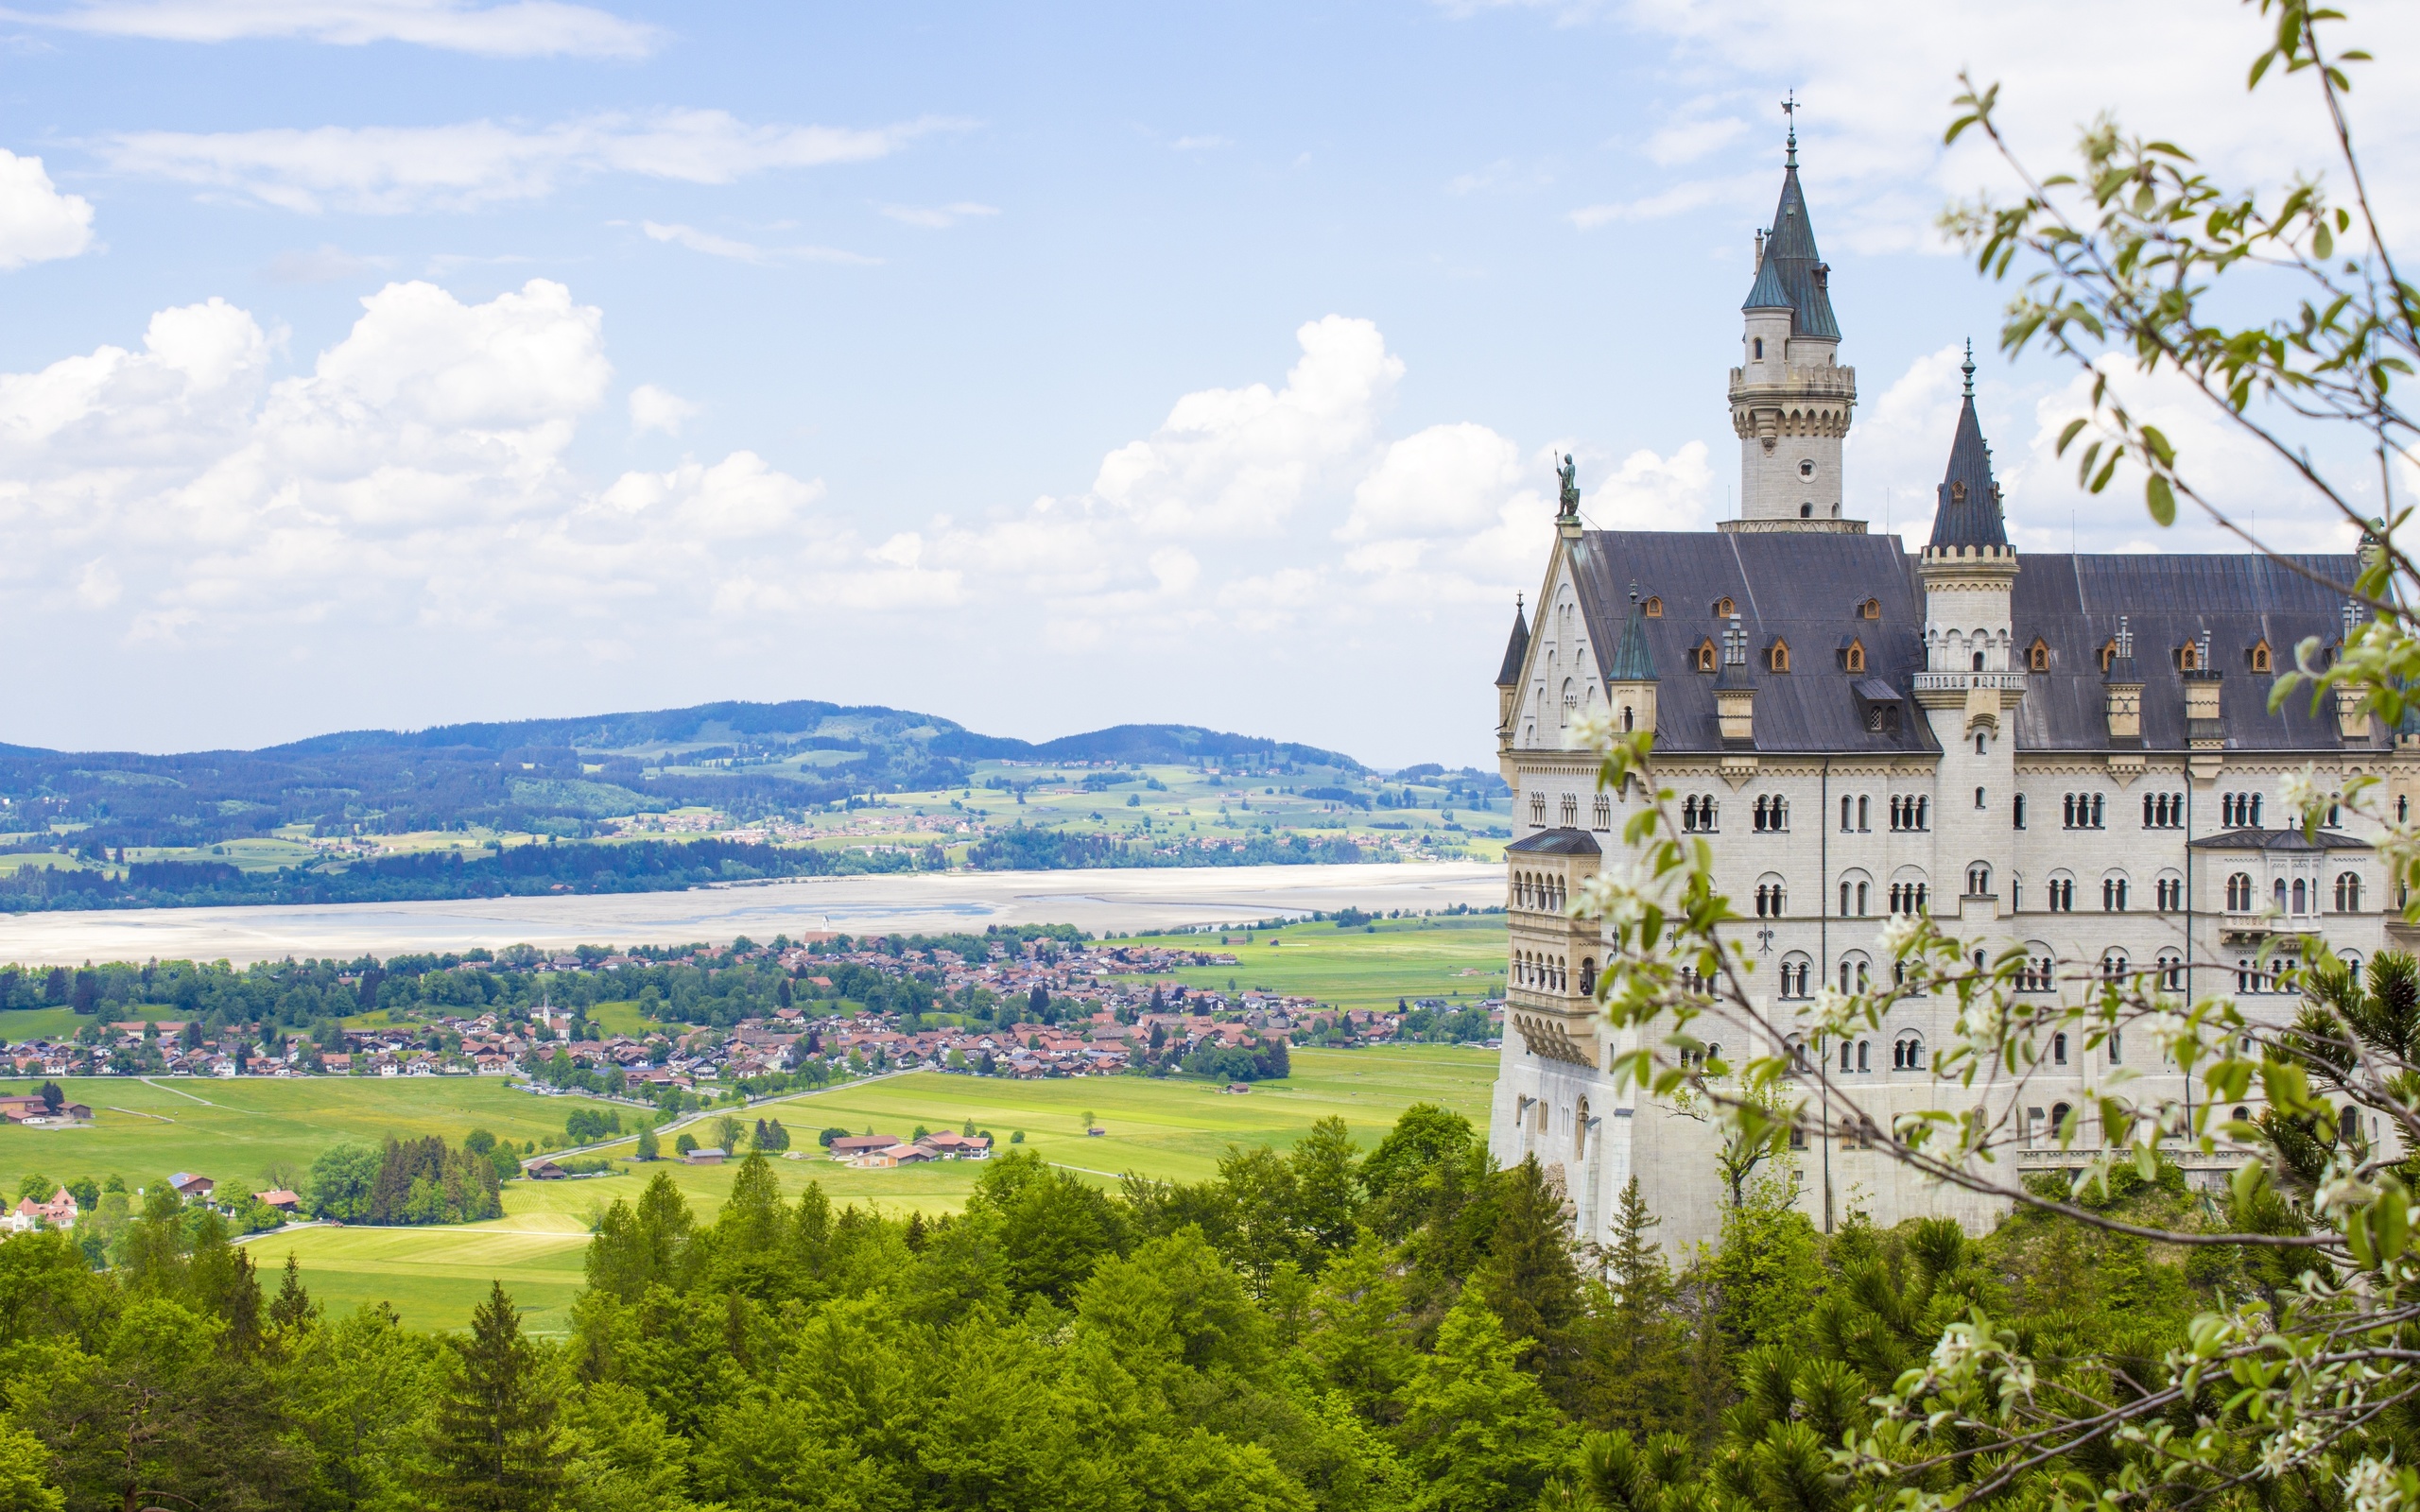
column 1093, row 900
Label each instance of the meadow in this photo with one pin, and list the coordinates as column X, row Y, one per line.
column 1364, row 965
column 1175, row 1130
column 233, row 1130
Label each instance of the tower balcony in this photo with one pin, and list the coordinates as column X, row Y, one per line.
column 1793, row 378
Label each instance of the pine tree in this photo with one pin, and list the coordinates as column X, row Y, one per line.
column 1634, row 1351
column 1528, row 1280
column 293, row 1307
column 496, row 1447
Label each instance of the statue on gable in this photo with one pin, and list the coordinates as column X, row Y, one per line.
column 1569, row 473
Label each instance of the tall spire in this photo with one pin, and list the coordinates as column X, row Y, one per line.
column 1968, row 510
column 1792, row 274
column 1633, row 662
column 1517, row 647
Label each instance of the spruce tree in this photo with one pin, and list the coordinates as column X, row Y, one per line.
column 1635, row 1351
column 293, row 1307
column 1528, row 1280
column 496, row 1445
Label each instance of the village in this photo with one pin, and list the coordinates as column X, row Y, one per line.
column 1024, row 1009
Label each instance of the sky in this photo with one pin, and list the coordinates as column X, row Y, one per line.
column 391, row 363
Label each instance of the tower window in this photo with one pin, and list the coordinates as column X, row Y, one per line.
column 1806, row 468
column 1806, row 511
column 1759, row 343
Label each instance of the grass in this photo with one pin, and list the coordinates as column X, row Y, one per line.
column 1175, row 1130
column 232, row 1130
column 1368, row 967
column 20, row 1025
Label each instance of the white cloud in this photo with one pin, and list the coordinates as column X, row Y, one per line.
column 1877, row 81
column 38, row 224
column 939, row 217
column 393, row 171
column 1238, row 460
column 659, row 409
column 519, row 29
column 415, row 477
column 714, row 246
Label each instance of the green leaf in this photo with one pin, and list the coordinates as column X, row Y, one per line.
column 2161, row 498
column 2321, row 244
column 2075, row 428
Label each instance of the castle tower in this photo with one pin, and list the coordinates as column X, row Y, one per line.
column 1790, row 399
column 1971, row 676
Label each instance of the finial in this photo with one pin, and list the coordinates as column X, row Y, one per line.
column 1789, row 108
column 1517, row 605
column 1968, row 368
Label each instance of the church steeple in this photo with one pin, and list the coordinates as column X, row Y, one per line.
column 1790, row 399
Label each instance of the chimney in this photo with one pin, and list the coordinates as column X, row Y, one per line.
column 2352, row 709
column 2203, row 731
column 2121, row 691
column 1735, row 690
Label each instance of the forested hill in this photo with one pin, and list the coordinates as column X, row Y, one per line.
column 557, row 776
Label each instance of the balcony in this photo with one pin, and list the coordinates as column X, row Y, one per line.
column 1960, row 681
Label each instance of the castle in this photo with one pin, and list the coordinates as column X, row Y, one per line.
column 2070, row 754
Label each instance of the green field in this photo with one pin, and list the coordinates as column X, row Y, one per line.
column 231, row 1130
column 1369, row 967
column 1177, row 1129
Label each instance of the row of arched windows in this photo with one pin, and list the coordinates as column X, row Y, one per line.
column 1698, row 814
column 2162, row 810
column 2084, row 811
column 1772, row 815
column 1546, row 973
column 1910, row 812
column 1539, row 890
column 1769, row 899
column 2239, row 811
column 2300, row 895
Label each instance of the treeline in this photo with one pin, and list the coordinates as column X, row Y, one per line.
column 637, row 866
column 409, row 1181
column 1407, row 1328
column 1031, row 848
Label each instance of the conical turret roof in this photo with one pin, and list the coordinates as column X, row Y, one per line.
column 1793, row 275
column 1968, row 510
column 1633, row 662
column 1516, row 650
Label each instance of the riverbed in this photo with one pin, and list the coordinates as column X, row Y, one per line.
column 1097, row 901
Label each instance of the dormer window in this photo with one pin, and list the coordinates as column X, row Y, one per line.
column 1706, row 655
column 2261, row 657
column 2188, row 658
column 2108, row 654
column 1853, row 657
column 1870, row 609
column 1654, row 608
column 1777, row 656
column 2037, row 656
column 1725, row 609
column 1958, row 494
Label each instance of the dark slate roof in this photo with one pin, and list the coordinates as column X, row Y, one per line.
column 1968, row 510
column 1556, row 842
column 1516, row 650
column 2073, row 603
column 1803, row 588
column 1792, row 273
column 1806, row 589
column 2278, row 840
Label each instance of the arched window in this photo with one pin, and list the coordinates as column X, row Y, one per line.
column 2113, row 893
column 2302, row 897
column 2169, row 892
column 1794, row 973
column 2260, row 656
column 1908, row 1051
column 2279, row 891
column 2037, row 656
column 1871, row 610
column 2239, row 893
column 2018, row 812
column 2171, row 972
column 2348, row 892
column 1654, row 608
column 1853, row 659
column 1777, row 656
column 2188, row 658
column 1570, row 811
column 2112, row 965
column 2108, row 654
column 1725, row 609
column 2058, row 1055
column 2059, row 1111
column 2063, row 893
column 1758, row 343
column 1588, row 974
column 1979, row 881
column 1601, row 813
column 1706, row 656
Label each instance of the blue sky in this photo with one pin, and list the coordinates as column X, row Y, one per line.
column 395, row 362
